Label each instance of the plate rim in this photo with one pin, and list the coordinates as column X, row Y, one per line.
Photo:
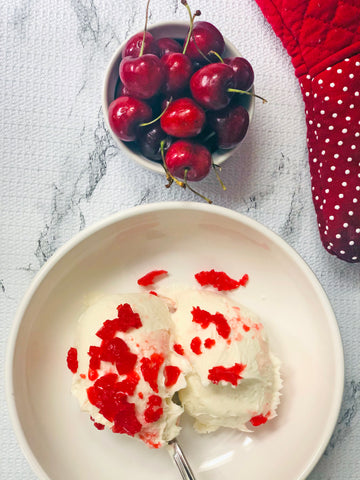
column 158, row 207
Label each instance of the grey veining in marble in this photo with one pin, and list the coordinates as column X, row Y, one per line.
column 61, row 172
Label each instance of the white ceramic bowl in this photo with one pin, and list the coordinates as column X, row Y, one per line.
column 61, row 443
column 174, row 30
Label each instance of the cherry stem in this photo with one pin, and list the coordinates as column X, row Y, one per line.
column 158, row 117
column 191, row 189
column 235, row 90
column 192, row 17
column 170, row 178
column 215, row 167
column 145, row 28
column 217, row 55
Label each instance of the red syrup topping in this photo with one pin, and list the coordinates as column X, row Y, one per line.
column 178, row 349
column 171, row 374
column 204, row 318
column 258, row 420
column 150, row 369
column 153, row 409
column 209, row 342
column 153, row 293
column 141, row 395
column 149, row 278
column 71, row 359
column 82, row 375
column 125, row 320
column 230, row 374
column 195, row 345
column 246, row 328
column 220, row 280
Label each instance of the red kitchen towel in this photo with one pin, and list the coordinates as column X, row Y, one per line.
column 323, row 39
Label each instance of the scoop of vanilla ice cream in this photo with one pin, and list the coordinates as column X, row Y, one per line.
column 235, row 379
column 143, row 396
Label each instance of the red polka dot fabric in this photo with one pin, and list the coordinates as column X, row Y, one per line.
column 323, row 39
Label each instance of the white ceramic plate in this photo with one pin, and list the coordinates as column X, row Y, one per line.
column 61, row 443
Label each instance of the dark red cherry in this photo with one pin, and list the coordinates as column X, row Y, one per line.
column 142, row 76
column 209, row 85
column 168, row 45
column 244, row 73
column 230, row 125
column 183, row 118
column 133, row 45
column 207, row 37
column 191, row 156
column 149, row 139
column 177, row 72
column 125, row 114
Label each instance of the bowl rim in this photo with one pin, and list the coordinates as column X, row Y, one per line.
column 140, row 159
column 139, row 211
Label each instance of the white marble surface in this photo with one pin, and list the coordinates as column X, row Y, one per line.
column 60, row 170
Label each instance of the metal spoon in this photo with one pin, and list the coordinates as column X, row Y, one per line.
column 180, row 460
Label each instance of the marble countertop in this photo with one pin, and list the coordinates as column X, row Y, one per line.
column 61, row 171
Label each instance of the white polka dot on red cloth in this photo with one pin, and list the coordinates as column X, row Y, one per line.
column 332, row 114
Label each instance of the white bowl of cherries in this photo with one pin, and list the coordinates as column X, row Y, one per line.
column 178, row 98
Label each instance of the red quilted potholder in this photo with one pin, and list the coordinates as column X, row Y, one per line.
column 323, row 39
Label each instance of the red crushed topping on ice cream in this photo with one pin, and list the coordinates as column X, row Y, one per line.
column 150, row 369
column 99, row 426
column 149, row 278
column 246, row 328
column 104, row 396
column 125, row 320
column 92, row 374
column 128, row 385
column 195, row 345
column 153, row 409
column 178, row 349
column 230, row 374
column 209, row 342
column 153, row 293
column 150, row 439
column 204, row 318
column 258, row 420
column 82, row 375
column 117, row 352
column 244, row 280
column 71, row 359
column 220, row 280
column 107, row 395
column 125, row 420
column 141, row 395
column 171, row 374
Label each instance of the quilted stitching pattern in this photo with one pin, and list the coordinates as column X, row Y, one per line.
column 313, row 30
column 323, row 39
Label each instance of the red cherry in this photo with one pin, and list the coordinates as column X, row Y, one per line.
column 125, row 114
column 133, row 45
column 142, row 76
column 177, row 71
column 244, row 73
column 230, row 125
column 207, row 37
column 168, row 45
column 190, row 156
column 209, row 85
column 183, row 118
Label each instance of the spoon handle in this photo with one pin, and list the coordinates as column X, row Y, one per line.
column 180, row 460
